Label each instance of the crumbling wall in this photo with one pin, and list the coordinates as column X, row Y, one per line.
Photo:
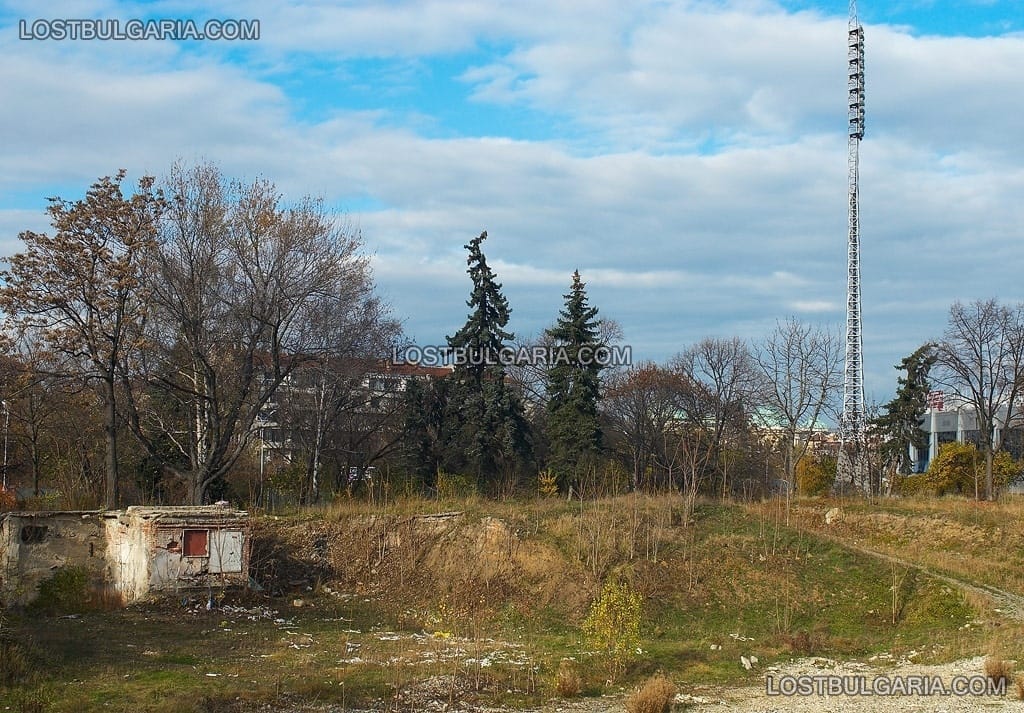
column 160, row 548
column 127, row 563
column 136, row 552
column 33, row 546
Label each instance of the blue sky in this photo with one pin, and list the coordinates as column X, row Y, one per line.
column 689, row 158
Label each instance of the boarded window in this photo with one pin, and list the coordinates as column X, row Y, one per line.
column 226, row 551
column 196, row 543
column 33, row 534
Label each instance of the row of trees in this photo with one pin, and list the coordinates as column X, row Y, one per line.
column 721, row 416
column 697, row 422
column 162, row 333
column 179, row 311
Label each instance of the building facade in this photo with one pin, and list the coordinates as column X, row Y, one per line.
column 132, row 554
column 950, row 419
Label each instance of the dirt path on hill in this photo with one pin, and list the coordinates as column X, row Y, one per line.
column 1007, row 603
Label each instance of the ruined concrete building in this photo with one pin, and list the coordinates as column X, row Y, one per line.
column 134, row 553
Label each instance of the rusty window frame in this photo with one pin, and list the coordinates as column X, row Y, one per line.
column 190, row 537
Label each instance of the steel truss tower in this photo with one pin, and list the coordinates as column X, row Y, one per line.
column 853, row 466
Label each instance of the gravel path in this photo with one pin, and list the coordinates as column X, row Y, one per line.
column 860, row 677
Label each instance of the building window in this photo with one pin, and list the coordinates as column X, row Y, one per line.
column 196, row 543
column 922, row 460
column 33, row 534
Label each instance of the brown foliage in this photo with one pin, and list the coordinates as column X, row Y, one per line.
column 655, row 696
column 7, row 499
column 568, row 681
column 998, row 670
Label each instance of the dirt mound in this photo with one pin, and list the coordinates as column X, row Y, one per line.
column 470, row 564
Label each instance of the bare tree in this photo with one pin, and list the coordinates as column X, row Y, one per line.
column 336, row 390
column 800, row 377
column 238, row 281
column 82, row 289
column 33, row 391
column 723, row 380
column 981, row 360
column 642, row 407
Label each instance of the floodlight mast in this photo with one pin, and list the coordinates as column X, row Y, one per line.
column 852, row 461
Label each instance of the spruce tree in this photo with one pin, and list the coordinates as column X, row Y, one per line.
column 488, row 415
column 426, row 433
column 900, row 424
column 573, row 385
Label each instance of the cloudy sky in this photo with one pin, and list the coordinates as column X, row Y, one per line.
column 688, row 157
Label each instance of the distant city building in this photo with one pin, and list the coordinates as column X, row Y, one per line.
column 950, row 419
column 370, row 394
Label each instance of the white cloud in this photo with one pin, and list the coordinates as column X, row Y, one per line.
column 813, row 306
column 673, row 242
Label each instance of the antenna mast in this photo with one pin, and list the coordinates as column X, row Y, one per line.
column 852, row 461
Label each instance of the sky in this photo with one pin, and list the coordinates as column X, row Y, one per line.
column 688, row 157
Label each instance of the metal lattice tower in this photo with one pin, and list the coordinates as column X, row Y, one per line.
column 852, row 426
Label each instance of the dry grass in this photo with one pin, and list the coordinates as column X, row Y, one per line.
column 567, row 681
column 1019, row 683
column 977, row 541
column 15, row 663
column 998, row 670
column 655, row 696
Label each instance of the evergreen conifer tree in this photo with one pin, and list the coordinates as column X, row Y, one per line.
column 574, row 384
column 490, row 429
column 427, row 437
column 900, row 424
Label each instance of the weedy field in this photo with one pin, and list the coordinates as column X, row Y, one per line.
column 419, row 605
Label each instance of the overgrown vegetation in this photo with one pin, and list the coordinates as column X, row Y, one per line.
column 396, row 605
column 998, row 670
column 67, row 591
column 815, row 476
column 16, row 663
column 959, row 469
column 568, row 680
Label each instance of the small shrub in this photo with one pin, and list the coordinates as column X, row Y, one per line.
column 547, row 484
column 814, row 476
column 66, row 591
column 804, row 643
column 914, row 484
column 568, row 682
column 998, row 670
column 655, row 696
column 7, row 499
column 453, row 486
column 613, row 625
